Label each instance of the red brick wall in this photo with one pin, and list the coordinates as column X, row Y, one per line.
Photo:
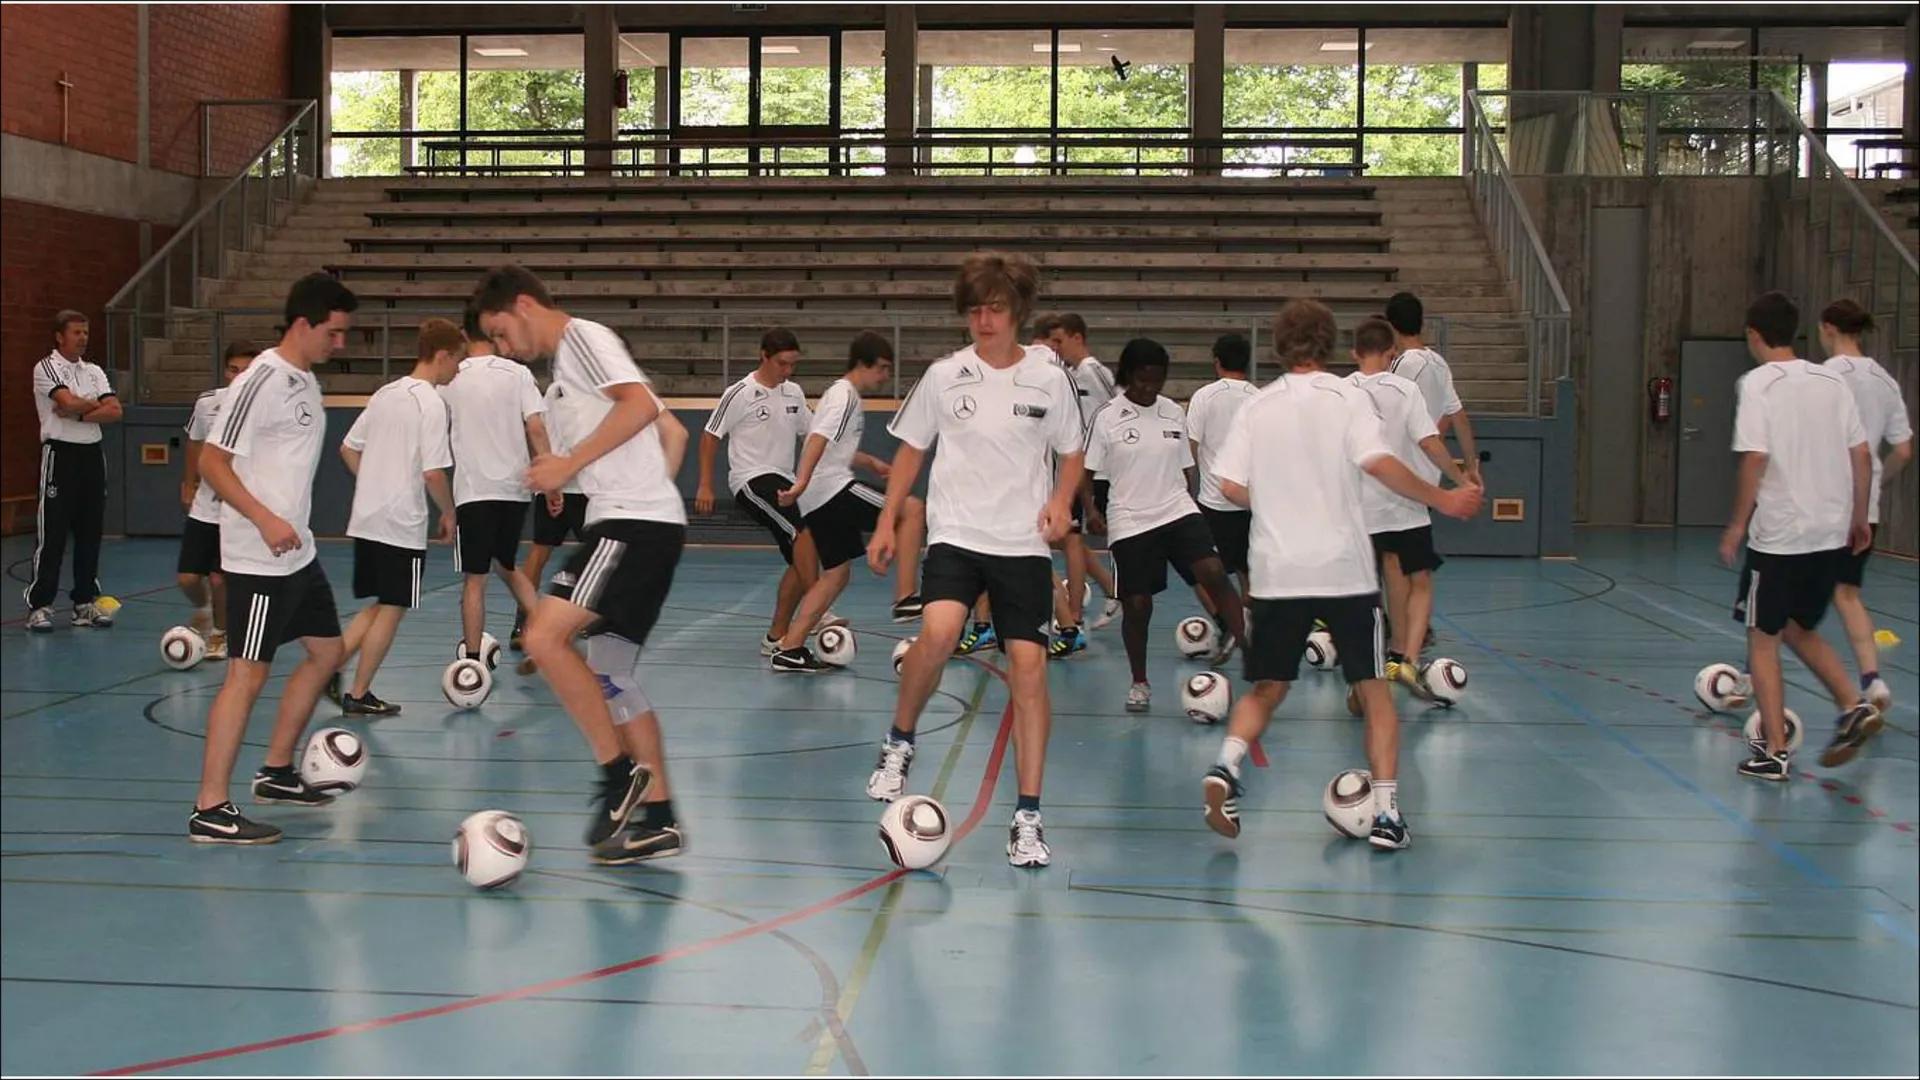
column 97, row 46
column 197, row 52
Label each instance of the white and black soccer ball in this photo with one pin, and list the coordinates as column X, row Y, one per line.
column 491, row 848
column 489, row 649
column 835, row 645
column 1795, row 731
column 466, row 683
column 1206, row 696
column 900, row 653
column 1447, row 679
column 182, row 647
column 1722, row 688
column 334, row 761
column 916, row 831
column 1321, row 655
column 1195, row 637
column 1348, row 803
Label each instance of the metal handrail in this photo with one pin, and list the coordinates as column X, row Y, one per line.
column 206, row 121
column 1837, row 175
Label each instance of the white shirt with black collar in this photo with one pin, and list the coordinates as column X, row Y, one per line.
column 81, row 376
column 1142, row 452
column 490, row 399
column 273, row 423
column 763, row 426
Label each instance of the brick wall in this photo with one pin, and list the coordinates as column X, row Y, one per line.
column 198, row 52
column 97, row 46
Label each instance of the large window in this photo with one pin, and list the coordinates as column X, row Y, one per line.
column 1302, row 86
column 987, row 81
column 1121, row 82
column 383, row 85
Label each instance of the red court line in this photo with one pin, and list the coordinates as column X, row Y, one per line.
column 982, row 798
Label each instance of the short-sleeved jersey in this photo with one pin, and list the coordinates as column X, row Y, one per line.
column 273, row 424
column 206, row 410
column 763, row 426
column 1405, row 422
column 841, row 421
column 1428, row 370
column 1210, row 414
column 400, row 435
column 1142, row 452
column 1299, row 448
column 1802, row 417
column 1883, row 413
column 1092, row 382
column 82, row 377
column 491, row 399
column 996, row 428
column 629, row 482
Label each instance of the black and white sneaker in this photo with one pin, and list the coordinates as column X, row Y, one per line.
column 1850, row 733
column 1389, row 832
column 618, row 799
column 515, row 638
column 333, row 690
column 769, row 645
column 285, row 786
column 799, row 661
column 367, row 704
column 639, row 842
column 908, row 608
column 1764, row 766
column 1222, row 792
column 223, row 825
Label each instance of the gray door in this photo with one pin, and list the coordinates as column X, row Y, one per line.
column 1704, row 410
column 1616, row 400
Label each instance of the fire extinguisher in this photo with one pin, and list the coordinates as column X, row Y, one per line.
column 1660, row 399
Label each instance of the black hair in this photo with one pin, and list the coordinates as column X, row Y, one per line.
column 1140, row 353
column 778, row 340
column 1405, row 313
column 1774, row 318
column 498, row 289
column 1372, row 337
column 868, row 349
column 1232, row 353
column 1848, row 317
column 317, row 296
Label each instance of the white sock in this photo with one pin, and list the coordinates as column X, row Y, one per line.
column 1232, row 751
column 1386, row 797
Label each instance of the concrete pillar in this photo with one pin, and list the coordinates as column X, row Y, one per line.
column 1469, row 82
column 1819, row 110
column 662, row 110
column 409, row 108
column 601, row 59
column 1910, row 89
column 1206, row 80
column 902, row 52
column 311, row 73
column 1609, row 26
column 1572, row 47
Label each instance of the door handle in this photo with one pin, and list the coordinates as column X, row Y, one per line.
column 1688, row 432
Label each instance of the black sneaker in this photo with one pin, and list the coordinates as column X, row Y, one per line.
column 519, row 629
column 618, row 799
column 275, row 786
column 1764, row 766
column 1222, row 792
column 223, row 825
column 1855, row 727
column 333, row 689
column 800, row 660
column 908, row 608
column 1389, row 832
column 367, row 705
column 639, row 842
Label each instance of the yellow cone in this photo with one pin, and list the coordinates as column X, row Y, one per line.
column 1886, row 639
column 107, row 604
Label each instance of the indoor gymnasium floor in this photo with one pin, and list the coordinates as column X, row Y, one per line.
column 1591, row 888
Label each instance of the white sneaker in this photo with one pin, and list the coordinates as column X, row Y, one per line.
column 1139, row 696
column 889, row 779
column 217, row 645
column 1027, row 840
column 1109, row 611
column 90, row 614
column 829, row 619
column 40, row 620
column 1880, row 695
column 769, row 645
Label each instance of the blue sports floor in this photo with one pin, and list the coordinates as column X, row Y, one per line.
column 1591, row 888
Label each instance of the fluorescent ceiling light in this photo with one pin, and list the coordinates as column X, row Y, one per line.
column 780, row 50
column 1342, row 46
column 1716, row 44
column 1065, row 46
column 507, row 51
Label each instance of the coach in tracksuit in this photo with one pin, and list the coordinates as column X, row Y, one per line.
column 73, row 398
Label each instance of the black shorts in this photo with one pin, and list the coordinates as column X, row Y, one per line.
column 1020, row 587
column 841, row 524
column 1277, row 635
column 487, row 532
column 622, row 571
column 265, row 612
column 1776, row 588
column 1100, row 490
column 199, row 548
column 388, row 574
column 1851, row 569
column 1230, row 529
column 1412, row 547
column 760, row 500
column 1140, row 561
column 551, row 531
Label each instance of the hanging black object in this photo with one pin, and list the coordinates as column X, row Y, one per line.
column 1120, row 66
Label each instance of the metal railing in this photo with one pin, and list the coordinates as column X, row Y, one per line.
column 211, row 108
column 1518, row 250
column 235, row 220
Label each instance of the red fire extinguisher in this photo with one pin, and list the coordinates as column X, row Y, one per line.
column 1660, row 399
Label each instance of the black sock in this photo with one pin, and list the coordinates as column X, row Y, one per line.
column 981, row 627
column 1867, row 677
column 277, row 770
column 659, row 814
column 896, row 735
column 617, row 770
column 1395, row 656
column 1028, row 802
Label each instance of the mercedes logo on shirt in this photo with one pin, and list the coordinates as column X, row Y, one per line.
column 304, row 414
column 964, row 407
column 761, row 413
column 1130, row 436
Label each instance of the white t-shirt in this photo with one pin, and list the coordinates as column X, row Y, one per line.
column 273, row 423
column 490, row 400
column 1299, row 447
column 841, row 421
column 1405, row 422
column 1427, row 370
column 1210, row 414
column 1093, row 383
column 400, row 435
column 555, row 440
column 763, row 426
column 629, row 482
column 82, row 377
column 1143, row 453
column 1802, row 417
column 206, row 409
column 996, row 428
column 1883, row 413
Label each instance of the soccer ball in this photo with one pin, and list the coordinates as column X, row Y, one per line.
column 1794, row 732
column 1194, row 636
column 916, row 831
column 900, row 653
column 1722, row 688
column 466, row 683
column 182, row 647
column 1348, row 803
column 489, row 649
column 835, row 645
column 491, row 848
column 1321, row 655
column 334, row 761
column 1206, row 697
column 1447, row 679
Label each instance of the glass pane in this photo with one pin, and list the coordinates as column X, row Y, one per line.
column 1867, row 99
column 644, row 58
column 1118, row 79
column 1412, row 155
column 366, row 94
column 1292, row 95
column 988, row 79
column 863, row 81
column 532, row 83
column 1407, row 87
column 796, row 86
column 714, row 79
column 1491, row 78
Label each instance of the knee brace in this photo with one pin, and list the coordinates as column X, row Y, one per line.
column 613, row 660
